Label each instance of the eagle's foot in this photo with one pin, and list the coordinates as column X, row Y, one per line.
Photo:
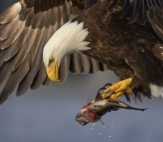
column 119, row 89
column 105, row 96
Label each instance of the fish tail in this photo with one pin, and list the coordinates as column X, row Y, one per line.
column 140, row 109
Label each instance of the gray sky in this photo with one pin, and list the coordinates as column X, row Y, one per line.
column 48, row 114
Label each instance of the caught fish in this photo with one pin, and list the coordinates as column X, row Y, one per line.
column 93, row 110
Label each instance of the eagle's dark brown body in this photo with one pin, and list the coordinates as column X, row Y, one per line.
column 130, row 50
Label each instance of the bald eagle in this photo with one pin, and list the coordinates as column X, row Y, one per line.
column 83, row 36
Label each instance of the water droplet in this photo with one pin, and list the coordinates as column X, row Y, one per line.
column 105, row 127
column 91, row 129
column 100, row 133
column 109, row 136
column 85, row 130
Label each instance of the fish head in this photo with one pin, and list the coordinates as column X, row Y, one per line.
column 81, row 119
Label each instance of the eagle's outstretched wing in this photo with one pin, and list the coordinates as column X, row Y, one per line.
column 25, row 28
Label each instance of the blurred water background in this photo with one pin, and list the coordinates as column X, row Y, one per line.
column 48, row 114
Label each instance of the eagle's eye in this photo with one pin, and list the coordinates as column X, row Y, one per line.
column 51, row 60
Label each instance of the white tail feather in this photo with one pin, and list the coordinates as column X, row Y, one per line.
column 156, row 90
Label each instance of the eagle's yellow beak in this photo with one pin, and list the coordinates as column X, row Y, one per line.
column 53, row 71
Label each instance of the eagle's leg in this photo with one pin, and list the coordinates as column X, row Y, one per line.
column 119, row 88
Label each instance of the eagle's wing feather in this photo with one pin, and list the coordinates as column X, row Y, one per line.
column 154, row 7
column 25, row 28
column 148, row 11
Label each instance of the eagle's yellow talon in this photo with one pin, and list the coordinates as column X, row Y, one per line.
column 128, row 90
column 120, row 88
column 104, row 96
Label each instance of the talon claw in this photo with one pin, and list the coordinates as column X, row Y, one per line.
column 107, row 84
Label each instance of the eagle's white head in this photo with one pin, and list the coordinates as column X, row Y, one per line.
column 68, row 39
